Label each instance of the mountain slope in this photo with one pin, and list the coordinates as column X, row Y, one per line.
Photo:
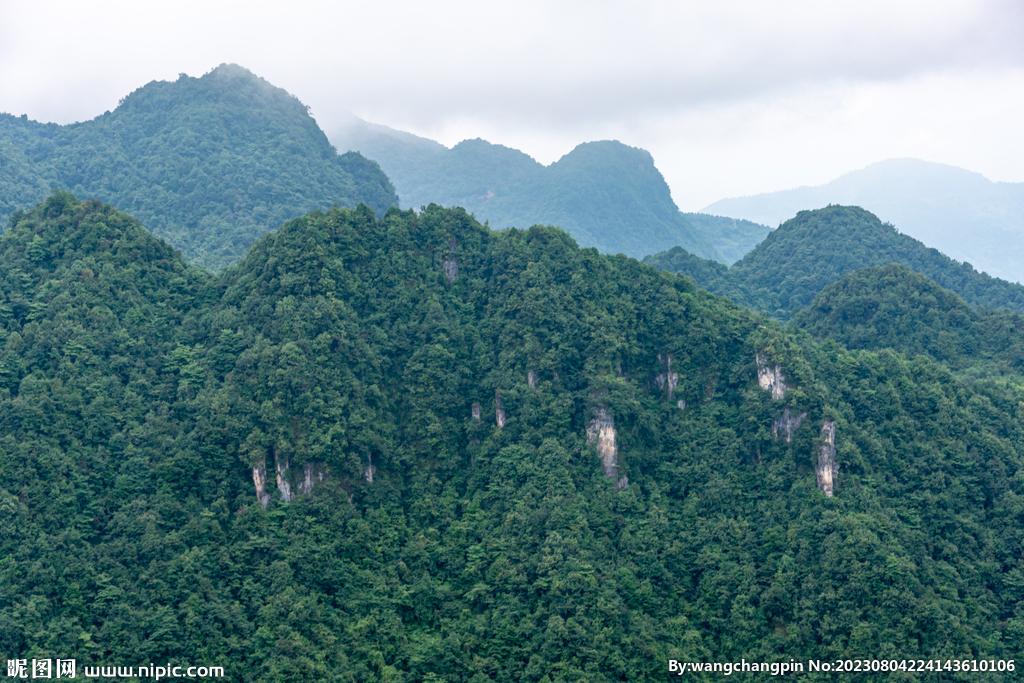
column 816, row 248
column 411, row 446
column 209, row 163
column 893, row 307
column 938, row 204
column 605, row 194
column 732, row 238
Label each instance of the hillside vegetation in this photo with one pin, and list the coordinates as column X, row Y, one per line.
column 209, row 163
column 893, row 307
column 935, row 203
column 816, row 248
column 410, row 448
column 732, row 238
column 605, row 194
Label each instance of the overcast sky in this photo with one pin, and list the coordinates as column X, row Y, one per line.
column 731, row 98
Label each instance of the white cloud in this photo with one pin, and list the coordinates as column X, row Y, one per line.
column 732, row 97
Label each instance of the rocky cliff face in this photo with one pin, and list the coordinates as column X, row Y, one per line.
column 499, row 410
column 770, row 378
column 450, row 263
column 667, row 380
column 786, row 424
column 451, row 269
column 827, row 468
column 601, row 432
column 283, row 485
column 259, row 479
column 313, row 473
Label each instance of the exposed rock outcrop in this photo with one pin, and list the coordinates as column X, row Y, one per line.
column 667, row 380
column 499, row 410
column 451, row 264
column 281, row 465
column 259, row 479
column 786, row 424
column 370, row 470
column 770, row 379
column 451, row 269
column 827, row 468
column 476, row 412
column 312, row 474
column 601, row 431
column 531, row 378
column 682, row 404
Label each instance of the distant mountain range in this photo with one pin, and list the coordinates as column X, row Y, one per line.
column 732, row 238
column 960, row 213
column 816, row 248
column 605, row 194
column 209, row 163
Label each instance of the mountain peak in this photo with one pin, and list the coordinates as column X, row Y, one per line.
column 209, row 163
column 233, row 71
column 936, row 203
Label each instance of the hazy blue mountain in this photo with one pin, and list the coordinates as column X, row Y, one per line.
column 960, row 213
column 209, row 163
column 732, row 238
column 605, row 194
column 816, row 248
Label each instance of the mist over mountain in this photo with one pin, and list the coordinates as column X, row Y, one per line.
column 605, row 194
column 962, row 214
column 816, row 248
column 733, row 238
column 209, row 163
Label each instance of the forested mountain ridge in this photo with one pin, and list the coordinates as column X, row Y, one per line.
column 732, row 238
column 407, row 448
column 815, row 248
column 893, row 307
column 935, row 203
column 606, row 194
column 208, row 163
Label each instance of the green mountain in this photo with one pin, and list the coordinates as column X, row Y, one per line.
column 893, row 307
column 732, row 238
column 605, row 194
column 938, row 204
column 411, row 448
column 209, row 163
column 816, row 248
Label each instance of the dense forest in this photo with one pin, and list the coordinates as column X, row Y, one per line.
column 893, row 307
column 411, row 448
column 816, row 248
column 605, row 194
column 209, row 163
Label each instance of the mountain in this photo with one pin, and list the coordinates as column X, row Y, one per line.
column 209, row 163
column 411, row 448
column 605, row 194
column 816, row 248
column 732, row 238
column 960, row 213
column 893, row 307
